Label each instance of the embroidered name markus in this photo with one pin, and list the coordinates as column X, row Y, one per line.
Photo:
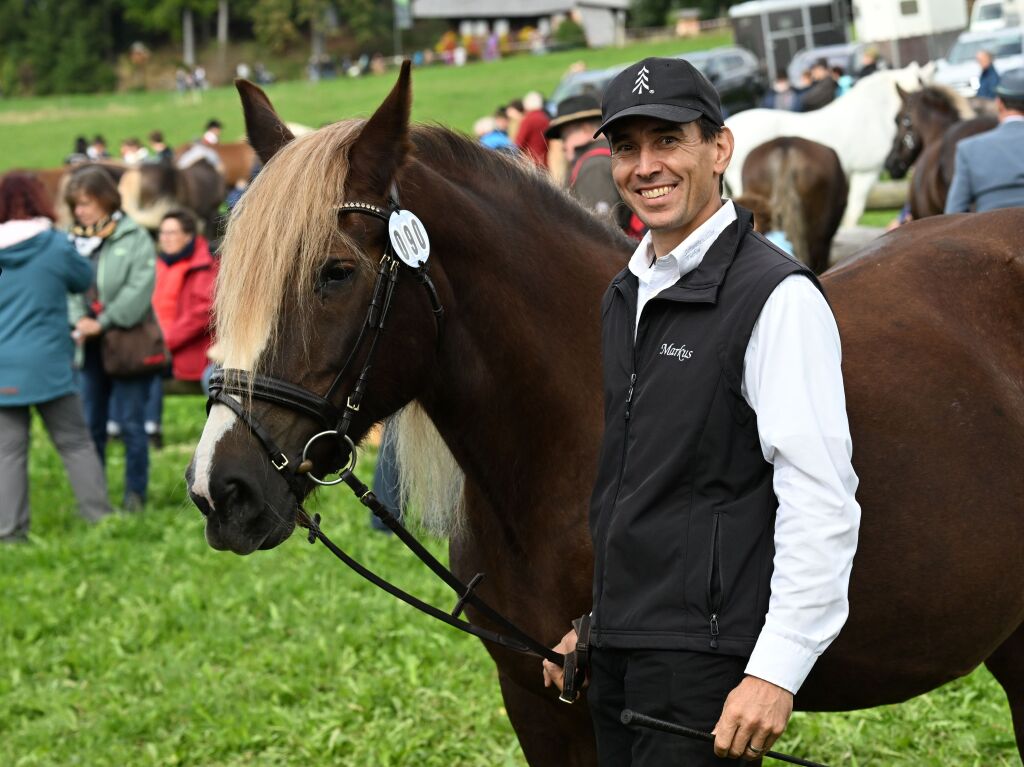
column 679, row 352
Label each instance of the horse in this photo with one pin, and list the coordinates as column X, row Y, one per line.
column 806, row 190
column 929, row 125
column 858, row 126
column 150, row 190
column 499, row 408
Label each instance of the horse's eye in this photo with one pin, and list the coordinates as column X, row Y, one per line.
column 335, row 271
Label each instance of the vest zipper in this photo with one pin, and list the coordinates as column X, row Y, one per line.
column 714, row 588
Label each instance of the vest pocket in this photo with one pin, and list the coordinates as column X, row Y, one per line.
column 714, row 581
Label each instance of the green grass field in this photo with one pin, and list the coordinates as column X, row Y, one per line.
column 133, row 643
column 39, row 132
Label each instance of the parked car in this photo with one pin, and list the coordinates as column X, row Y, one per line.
column 845, row 55
column 960, row 71
column 735, row 72
column 990, row 15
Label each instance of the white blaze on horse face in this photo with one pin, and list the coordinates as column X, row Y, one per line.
column 219, row 422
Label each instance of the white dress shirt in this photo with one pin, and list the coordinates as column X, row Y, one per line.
column 793, row 382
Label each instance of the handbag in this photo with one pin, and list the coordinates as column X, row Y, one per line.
column 136, row 351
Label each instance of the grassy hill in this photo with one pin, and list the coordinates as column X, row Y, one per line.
column 39, row 132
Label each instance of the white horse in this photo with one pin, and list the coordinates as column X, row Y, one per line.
column 859, row 126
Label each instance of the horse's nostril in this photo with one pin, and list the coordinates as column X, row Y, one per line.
column 232, row 494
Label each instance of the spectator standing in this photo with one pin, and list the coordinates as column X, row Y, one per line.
column 80, row 153
column 781, row 95
column 39, row 268
column 989, row 169
column 530, row 137
column 133, row 152
column 590, row 163
column 822, row 90
column 871, row 62
column 122, row 258
column 98, row 149
column 183, row 301
column 161, row 152
column 989, row 79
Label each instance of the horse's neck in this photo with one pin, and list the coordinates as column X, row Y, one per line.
column 518, row 396
column 932, row 130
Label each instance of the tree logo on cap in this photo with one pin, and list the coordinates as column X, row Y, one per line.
column 641, row 82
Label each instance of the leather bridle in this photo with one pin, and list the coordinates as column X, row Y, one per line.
column 233, row 387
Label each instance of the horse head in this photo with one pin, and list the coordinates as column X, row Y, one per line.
column 907, row 144
column 923, row 116
column 298, row 274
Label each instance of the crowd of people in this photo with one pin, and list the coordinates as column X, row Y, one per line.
column 76, row 310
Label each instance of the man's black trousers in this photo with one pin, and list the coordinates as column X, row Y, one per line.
column 687, row 688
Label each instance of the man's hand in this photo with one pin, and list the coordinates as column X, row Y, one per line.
column 87, row 327
column 554, row 674
column 755, row 715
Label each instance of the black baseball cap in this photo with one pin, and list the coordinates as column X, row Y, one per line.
column 669, row 89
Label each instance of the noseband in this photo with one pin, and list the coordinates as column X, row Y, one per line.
column 407, row 249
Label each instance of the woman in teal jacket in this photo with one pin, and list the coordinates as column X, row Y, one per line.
column 39, row 268
column 123, row 262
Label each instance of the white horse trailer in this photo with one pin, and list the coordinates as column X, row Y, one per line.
column 775, row 30
column 910, row 30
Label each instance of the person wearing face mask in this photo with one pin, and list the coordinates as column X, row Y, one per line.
column 123, row 262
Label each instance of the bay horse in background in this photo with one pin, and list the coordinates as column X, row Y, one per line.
column 858, row 126
column 929, row 124
column 500, row 410
column 805, row 188
column 149, row 190
column 237, row 160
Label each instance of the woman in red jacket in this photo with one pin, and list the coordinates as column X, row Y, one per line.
column 182, row 300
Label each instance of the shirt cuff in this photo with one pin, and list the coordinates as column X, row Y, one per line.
column 104, row 321
column 781, row 661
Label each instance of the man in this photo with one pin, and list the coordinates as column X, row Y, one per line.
column 822, row 90
column 723, row 516
column 989, row 79
column 204, row 149
column 161, row 152
column 589, row 177
column 989, row 169
column 530, row 136
column 870, row 62
column 133, row 152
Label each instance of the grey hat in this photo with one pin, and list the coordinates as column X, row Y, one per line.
column 1011, row 85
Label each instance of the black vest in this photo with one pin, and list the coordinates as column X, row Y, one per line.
column 682, row 514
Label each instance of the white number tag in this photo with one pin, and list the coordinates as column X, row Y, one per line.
column 409, row 238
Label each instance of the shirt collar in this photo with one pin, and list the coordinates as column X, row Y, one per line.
column 687, row 255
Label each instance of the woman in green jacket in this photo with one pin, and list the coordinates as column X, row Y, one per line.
column 124, row 269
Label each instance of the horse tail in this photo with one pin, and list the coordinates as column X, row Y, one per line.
column 786, row 206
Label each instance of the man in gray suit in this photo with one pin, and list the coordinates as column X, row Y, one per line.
column 989, row 171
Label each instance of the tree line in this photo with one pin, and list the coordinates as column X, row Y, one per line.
column 72, row 46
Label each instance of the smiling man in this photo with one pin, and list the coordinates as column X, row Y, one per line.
column 723, row 516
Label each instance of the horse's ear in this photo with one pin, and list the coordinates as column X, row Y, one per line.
column 267, row 134
column 383, row 144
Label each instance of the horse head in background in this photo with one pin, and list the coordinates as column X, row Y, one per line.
column 858, row 126
column 150, row 190
column 929, row 124
column 501, row 408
